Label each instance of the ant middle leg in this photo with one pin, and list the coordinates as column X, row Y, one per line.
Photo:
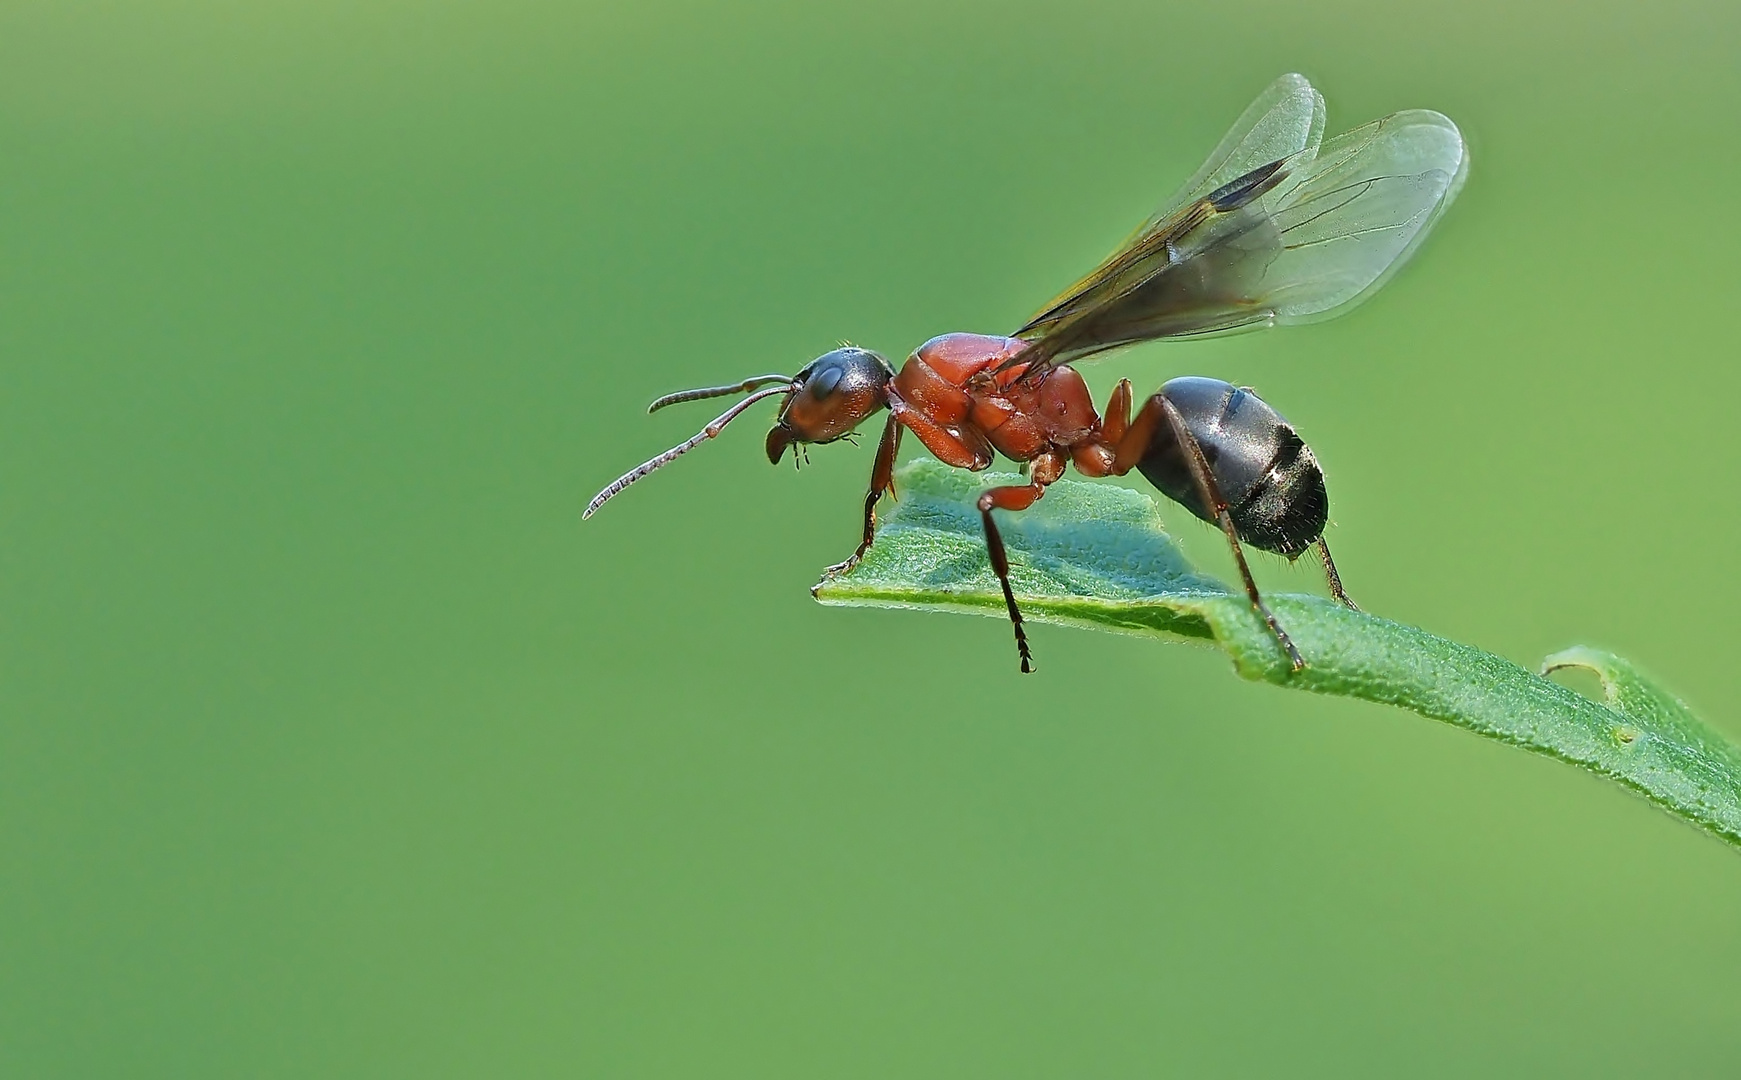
column 1044, row 469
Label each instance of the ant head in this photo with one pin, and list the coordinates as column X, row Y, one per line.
column 824, row 402
column 834, row 394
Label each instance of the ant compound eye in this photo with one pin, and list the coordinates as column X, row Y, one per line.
column 836, row 392
column 826, row 381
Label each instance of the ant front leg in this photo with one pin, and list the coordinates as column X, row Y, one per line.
column 1162, row 415
column 1044, row 469
column 882, row 479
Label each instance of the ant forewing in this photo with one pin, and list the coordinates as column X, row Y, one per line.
column 1277, row 226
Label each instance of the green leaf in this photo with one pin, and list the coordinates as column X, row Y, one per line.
column 1095, row 555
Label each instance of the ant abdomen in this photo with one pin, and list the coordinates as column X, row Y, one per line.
column 1273, row 486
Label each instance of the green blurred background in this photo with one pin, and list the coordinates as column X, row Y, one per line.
column 333, row 744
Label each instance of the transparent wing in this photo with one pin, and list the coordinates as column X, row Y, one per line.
column 1286, row 121
column 1289, row 241
column 1356, row 216
column 1284, row 124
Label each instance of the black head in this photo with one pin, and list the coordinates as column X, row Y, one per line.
column 834, row 394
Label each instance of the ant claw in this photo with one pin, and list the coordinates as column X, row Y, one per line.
column 839, row 568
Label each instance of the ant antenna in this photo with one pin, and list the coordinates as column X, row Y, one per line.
column 716, row 391
column 684, row 447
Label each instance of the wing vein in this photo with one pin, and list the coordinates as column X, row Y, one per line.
column 1196, row 268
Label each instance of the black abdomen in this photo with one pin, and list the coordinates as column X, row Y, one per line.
column 1273, row 486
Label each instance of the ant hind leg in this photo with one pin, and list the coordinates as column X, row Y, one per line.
column 1331, row 576
column 1160, row 419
